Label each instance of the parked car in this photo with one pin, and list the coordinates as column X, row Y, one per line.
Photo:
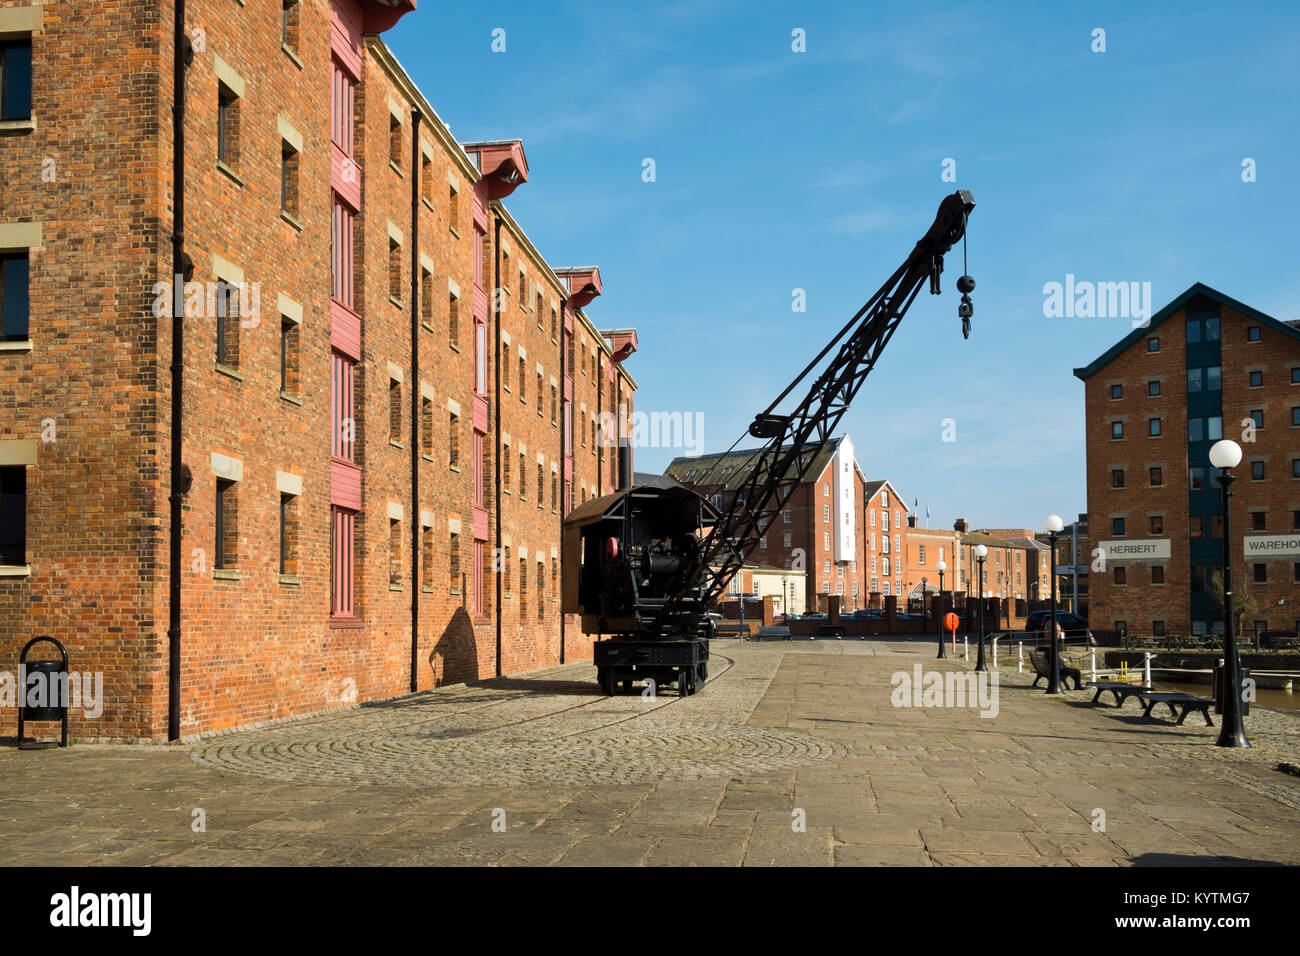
column 1040, row 621
column 815, row 616
column 868, row 614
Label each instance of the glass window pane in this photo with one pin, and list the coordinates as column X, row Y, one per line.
column 13, row 297
column 1214, row 428
column 1212, row 330
column 1194, row 379
column 1193, row 331
column 16, row 82
column 1213, row 378
column 1195, row 431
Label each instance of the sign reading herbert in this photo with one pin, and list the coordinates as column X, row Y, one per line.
column 1136, row 549
column 1272, row 545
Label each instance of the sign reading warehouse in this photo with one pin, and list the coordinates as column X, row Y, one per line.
column 1272, row 545
column 1137, row 549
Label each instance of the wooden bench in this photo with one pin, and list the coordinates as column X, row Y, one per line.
column 1121, row 690
column 1180, row 704
column 1043, row 669
column 774, row 633
column 721, row 629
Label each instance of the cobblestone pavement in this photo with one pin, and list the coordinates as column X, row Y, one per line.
column 791, row 754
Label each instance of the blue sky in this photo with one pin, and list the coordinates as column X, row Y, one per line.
column 778, row 170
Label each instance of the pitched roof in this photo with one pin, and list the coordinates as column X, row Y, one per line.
column 1286, row 328
column 728, row 470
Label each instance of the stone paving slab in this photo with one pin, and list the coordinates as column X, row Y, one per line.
column 789, row 756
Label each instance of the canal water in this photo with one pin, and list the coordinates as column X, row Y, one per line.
column 1280, row 699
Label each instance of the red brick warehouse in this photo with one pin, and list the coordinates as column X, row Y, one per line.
column 379, row 450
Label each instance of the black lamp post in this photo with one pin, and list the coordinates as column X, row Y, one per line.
column 1226, row 455
column 980, row 552
column 942, row 567
column 925, row 610
column 1054, row 524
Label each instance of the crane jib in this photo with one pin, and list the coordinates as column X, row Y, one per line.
column 774, row 470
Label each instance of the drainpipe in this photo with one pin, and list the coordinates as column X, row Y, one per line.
column 496, row 415
column 415, row 399
column 564, row 303
column 600, row 427
column 182, row 269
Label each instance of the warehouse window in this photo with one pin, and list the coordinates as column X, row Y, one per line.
column 541, row 591
column 1260, row 573
column 453, row 562
column 341, row 562
column 1258, row 520
column 523, row 588
column 394, row 270
column 342, row 398
column 1117, row 477
column 480, row 577
column 523, row 372
column 426, row 558
column 342, row 243
column 426, row 297
column 395, row 140
column 289, row 383
column 16, row 78
column 288, row 179
column 541, row 484
column 226, row 554
column 13, row 515
column 1157, row 476
column 288, row 533
column 342, row 95
column 394, row 553
column 1256, row 471
column 1157, row 524
column 1153, row 388
column 426, row 179
column 394, row 411
column 1120, row 575
column 1253, row 334
column 453, row 440
column 453, row 208
column 426, row 428
column 453, row 318
column 1116, row 429
column 289, row 24
column 15, row 308
column 227, row 127
column 227, row 324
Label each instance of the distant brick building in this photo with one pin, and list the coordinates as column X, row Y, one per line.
column 924, row 549
column 885, row 542
column 822, row 525
column 1205, row 367
column 379, row 450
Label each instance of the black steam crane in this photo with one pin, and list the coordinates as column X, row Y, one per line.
column 652, row 559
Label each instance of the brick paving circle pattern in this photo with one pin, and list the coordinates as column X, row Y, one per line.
column 499, row 734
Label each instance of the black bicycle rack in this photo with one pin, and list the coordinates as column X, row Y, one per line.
column 55, row 704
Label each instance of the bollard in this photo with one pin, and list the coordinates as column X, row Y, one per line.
column 1020, row 657
column 1093, row 665
column 965, row 647
column 995, row 652
column 1146, row 673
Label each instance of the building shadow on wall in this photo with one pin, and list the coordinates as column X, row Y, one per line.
column 454, row 658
